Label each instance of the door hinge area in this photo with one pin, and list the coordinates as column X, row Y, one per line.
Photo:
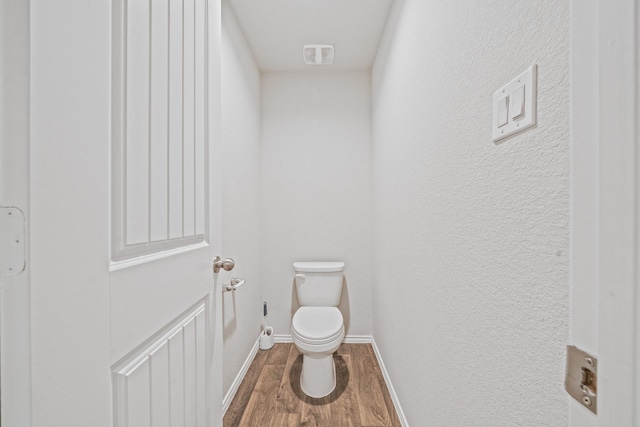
column 12, row 236
column 581, row 380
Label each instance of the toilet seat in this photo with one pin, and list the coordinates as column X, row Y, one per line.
column 308, row 343
column 317, row 325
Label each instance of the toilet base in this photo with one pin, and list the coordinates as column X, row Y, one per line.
column 318, row 378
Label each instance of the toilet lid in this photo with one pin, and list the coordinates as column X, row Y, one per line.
column 317, row 323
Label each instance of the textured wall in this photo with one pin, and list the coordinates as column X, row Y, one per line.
column 471, row 238
column 240, row 163
column 316, row 187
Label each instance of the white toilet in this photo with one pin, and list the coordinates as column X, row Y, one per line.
column 317, row 326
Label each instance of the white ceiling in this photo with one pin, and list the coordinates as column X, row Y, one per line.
column 276, row 30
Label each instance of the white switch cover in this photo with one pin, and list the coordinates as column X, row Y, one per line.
column 517, row 102
column 522, row 92
column 503, row 111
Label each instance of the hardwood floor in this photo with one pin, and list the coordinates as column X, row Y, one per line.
column 270, row 393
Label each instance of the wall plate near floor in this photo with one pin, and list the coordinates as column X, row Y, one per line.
column 515, row 105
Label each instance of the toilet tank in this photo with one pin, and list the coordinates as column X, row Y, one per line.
column 319, row 283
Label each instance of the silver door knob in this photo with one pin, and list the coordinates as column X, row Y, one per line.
column 226, row 264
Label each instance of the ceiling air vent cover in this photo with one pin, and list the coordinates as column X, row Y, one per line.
column 318, row 54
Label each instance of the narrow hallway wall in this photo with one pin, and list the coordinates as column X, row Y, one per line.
column 240, row 163
column 472, row 318
column 316, row 187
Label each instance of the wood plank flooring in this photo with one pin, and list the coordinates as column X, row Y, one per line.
column 270, row 393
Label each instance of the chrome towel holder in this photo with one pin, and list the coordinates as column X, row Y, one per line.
column 235, row 284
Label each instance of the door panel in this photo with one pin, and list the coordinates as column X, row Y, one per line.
column 152, row 383
column 121, row 196
column 146, row 297
column 159, row 132
column 161, row 261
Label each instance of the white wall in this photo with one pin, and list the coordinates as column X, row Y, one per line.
column 472, row 316
column 240, row 163
column 316, row 187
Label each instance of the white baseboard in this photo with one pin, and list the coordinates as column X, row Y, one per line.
column 282, row 338
column 349, row 339
column 358, row 339
column 228, row 398
column 387, row 380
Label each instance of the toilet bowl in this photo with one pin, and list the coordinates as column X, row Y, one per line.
column 317, row 333
column 317, row 326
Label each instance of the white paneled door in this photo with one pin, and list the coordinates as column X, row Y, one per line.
column 122, row 315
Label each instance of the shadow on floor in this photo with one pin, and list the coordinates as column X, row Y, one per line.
column 342, row 380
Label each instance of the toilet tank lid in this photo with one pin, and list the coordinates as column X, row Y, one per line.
column 318, row 267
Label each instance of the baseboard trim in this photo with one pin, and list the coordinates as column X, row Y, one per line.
column 282, row 338
column 349, row 339
column 358, row 339
column 387, row 380
column 228, row 398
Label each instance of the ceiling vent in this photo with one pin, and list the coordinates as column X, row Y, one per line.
column 318, row 54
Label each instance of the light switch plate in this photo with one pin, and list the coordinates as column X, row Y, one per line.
column 529, row 79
